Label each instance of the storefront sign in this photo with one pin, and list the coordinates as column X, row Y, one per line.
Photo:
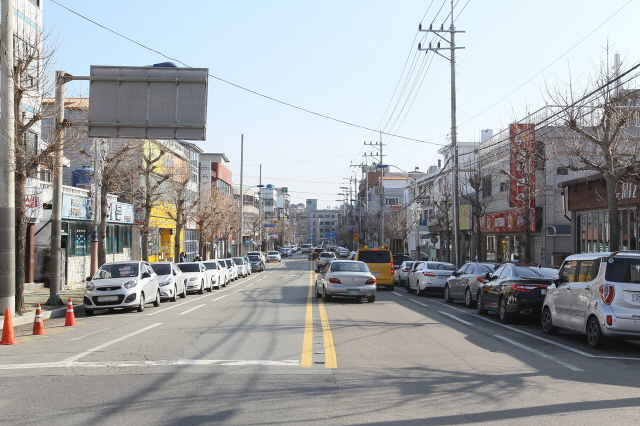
column 511, row 221
column 120, row 213
column 522, row 165
column 76, row 208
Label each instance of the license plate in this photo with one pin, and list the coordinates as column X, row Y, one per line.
column 354, row 292
column 635, row 297
column 108, row 298
column 376, row 274
column 543, row 291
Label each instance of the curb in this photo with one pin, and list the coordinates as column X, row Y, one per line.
column 54, row 313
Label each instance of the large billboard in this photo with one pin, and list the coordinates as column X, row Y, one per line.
column 148, row 102
column 522, row 165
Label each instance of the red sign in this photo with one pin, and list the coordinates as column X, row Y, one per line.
column 522, row 165
column 511, row 221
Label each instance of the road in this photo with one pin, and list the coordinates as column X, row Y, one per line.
column 266, row 351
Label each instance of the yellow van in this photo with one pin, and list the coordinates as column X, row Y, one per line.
column 380, row 262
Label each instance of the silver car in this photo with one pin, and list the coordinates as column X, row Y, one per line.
column 597, row 294
column 170, row 279
column 463, row 283
column 400, row 274
column 429, row 277
column 324, row 258
column 346, row 278
column 241, row 266
column 126, row 284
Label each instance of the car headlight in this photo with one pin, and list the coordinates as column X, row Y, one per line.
column 193, row 279
column 130, row 284
column 165, row 281
column 91, row 286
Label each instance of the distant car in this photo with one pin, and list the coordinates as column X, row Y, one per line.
column 233, row 269
column 259, row 254
column 346, row 278
column 313, row 255
column 515, row 290
column 429, row 277
column 172, row 283
column 400, row 274
column 284, row 252
column 273, row 256
column 197, row 278
column 463, row 283
column 343, row 252
column 217, row 275
column 257, row 265
column 324, row 258
column 225, row 273
column 126, row 284
column 242, row 266
column 306, row 248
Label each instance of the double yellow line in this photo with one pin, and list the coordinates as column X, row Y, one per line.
column 330, row 360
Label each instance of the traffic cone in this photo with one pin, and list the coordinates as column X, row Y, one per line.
column 70, row 320
column 8, row 336
column 38, row 324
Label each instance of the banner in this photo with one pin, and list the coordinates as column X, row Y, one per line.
column 522, row 165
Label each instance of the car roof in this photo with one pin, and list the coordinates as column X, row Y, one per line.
column 124, row 261
column 622, row 253
column 164, row 262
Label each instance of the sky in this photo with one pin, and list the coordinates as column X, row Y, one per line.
column 310, row 83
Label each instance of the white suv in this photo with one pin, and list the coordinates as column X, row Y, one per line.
column 597, row 294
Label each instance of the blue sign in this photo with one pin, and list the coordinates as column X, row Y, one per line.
column 348, row 227
column 296, row 236
column 269, row 225
column 331, row 235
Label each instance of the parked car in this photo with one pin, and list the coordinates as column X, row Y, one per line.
column 214, row 270
column 398, row 258
column 257, row 264
column 429, row 277
column 515, row 290
column 400, row 274
column 224, row 272
column 170, row 279
column 324, row 258
column 463, row 283
column 284, row 252
column 259, row 254
column 346, row 278
column 597, row 294
column 126, row 284
column 197, row 278
column 315, row 253
column 233, row 269
column 241, row 266
column 274, row 256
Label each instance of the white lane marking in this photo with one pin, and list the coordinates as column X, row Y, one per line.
column 238, row 290
column 397, row 294
column 192, row 309
column 104, row 345
column 455, row 318
column 221, row 297
column 542, row 354
column 181, row 304
column 179, row 362
column 419, row 303
column 81, row 337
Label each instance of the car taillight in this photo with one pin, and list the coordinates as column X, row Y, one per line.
column 392, row 269
column 482, row 279
column 371, row 281
column 428, row 274
column 526, row 288
column 607, row 293
column 405, row 270
column 334, row 280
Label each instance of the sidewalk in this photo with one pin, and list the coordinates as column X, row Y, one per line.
column 40, row 296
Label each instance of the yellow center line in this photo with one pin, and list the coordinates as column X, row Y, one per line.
column 330, row 360
column 307, row 342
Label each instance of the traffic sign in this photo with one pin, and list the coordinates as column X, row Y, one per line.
column 348, row 227
column 296, row 236
column 269, row 225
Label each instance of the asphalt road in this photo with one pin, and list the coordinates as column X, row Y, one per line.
column 266, row 351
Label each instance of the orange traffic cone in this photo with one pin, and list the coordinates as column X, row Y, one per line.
column 70, row 320
column 38, row 324
column 8, row 336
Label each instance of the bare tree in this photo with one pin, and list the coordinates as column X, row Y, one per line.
column 398, row 226
column 209, row 215
column 478, row 199
column 442, row 198
column 601, row 133
column 181, row 200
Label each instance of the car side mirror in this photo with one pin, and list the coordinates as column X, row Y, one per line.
column 488, row 276
column 146, row 275
column 456, row 274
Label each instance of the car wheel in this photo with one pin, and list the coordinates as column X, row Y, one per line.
column 318, row 294
column 326, row 297
column 371, row 299
column 201, row 291
column 184, row 291
column 392, row 287
column 480, row 304
column 447, row 294
column 210, row 289
column 141, row 305
column 505, row 316
column 156, row 302
column 468, row 299
column 175, row 294
column 547, row 323
column 88, row 312
column 595, row 338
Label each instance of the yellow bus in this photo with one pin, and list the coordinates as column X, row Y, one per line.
column 380, row 262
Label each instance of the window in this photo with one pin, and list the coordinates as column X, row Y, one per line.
column 31, row 142
column 588, row 270
column 391, row 201
column 504, row 186
column 486, row 186
column 568, row 271
column 562, row 171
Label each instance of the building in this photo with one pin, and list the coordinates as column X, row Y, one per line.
column 214, row 175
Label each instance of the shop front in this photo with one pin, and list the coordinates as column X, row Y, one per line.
column 504, row 234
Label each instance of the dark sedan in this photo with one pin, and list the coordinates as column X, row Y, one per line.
column 514, row 290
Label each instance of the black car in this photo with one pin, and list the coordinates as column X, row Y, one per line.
column 515, row 290
column 316, row 253
column 257, row 265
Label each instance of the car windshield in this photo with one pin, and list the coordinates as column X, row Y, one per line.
column 189, row 267
column 119, row 270
column 272, row 253
column 375, row 256
column 441, row 266
column 327, row 255
column 349, row 267
column 238, row 260
column 210, row 265
column 222, row 263
column 254, row 258
column 623, row 270
column 229, row 262
column 161, row 268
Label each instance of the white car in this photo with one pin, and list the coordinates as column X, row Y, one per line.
column 324, row 258
column 343, row 252
column 274, row 256
column 171, row 281
column 233, row 269
column 225, row 274
column 217, row 277
column 242, row 266
column 196, row 275
column 429, row 277
column 126, row 284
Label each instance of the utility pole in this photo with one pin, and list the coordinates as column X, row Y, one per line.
column 239, row 242
column 454, row 142
column 7, row 179
column 380, row 189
